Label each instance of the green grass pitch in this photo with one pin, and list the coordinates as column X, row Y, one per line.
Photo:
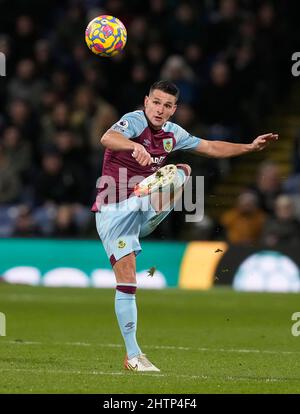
column 65, row 340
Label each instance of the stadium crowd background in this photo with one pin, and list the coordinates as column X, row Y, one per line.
column 230, row 59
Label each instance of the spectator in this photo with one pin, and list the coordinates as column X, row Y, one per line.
column 137, row 32
column 21, row 115
column 91, row 116
column 58, row 120
column 60, row 83
column 155, row 54
column 10, row 185
column 133, row 94
column 49, row 100
column 177, row 70
column 218, row 103
column 158, row 15
column 283, row 228
column 25, row 85
column 24, row 36
column 65, row 224
column 17, row 150
column 244, row 222
column 195, row 58
column 95, row 79
column 25, row 225
column 186, row 117
column 183, row 26
column 45, row 62
column 70, row 27
column 57, row 184
column 268, row 185
column 68, row 146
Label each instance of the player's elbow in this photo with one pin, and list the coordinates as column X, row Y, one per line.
column 216, row 150
column 104, row 140
column 208, row 149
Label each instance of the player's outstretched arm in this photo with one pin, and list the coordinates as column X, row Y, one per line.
column 222, row 149
column 115, row 141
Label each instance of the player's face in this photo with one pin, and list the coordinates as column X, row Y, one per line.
column 159, row 107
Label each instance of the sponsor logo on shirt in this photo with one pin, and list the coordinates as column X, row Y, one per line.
column 157, row 160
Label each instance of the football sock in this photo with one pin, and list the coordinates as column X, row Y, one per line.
column 126, row 311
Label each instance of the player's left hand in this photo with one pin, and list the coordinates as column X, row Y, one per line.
column 262, row 141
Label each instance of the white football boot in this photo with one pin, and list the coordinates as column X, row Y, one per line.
column 139, row 363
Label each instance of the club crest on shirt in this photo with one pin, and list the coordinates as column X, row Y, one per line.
column 121, row 244
column 168, row 144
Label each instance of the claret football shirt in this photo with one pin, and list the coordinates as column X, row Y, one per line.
column 121, row 171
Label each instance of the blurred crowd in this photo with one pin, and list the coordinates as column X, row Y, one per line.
column 268, row 212
column 228, row 58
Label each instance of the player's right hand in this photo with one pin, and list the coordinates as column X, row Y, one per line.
column 141, row 155
column 262, row 141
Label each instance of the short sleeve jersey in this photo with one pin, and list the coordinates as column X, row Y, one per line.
column 120, row 171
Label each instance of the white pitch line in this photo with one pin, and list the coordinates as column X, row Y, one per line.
column 17, row 297
column 77, row 372
column 167, row 347
column 102, row 373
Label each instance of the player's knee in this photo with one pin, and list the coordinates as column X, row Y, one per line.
column 126, row 279
column 125, row 269
column 186, row 168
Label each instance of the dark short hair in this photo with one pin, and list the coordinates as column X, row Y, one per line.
column 165, row 86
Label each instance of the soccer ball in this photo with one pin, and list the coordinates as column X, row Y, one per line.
column 106, row 36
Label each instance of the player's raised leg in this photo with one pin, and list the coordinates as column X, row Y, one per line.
column 164, row 202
